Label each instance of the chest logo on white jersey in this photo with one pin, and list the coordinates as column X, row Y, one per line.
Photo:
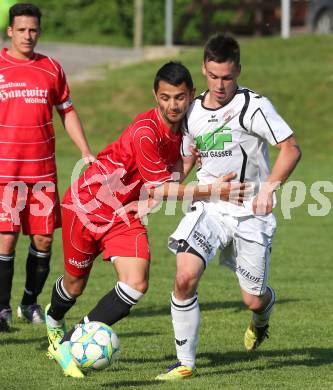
column 214, row 140
column 213, row 119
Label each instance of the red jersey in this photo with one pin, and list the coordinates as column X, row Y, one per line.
column 28, row 91
column 144, row 155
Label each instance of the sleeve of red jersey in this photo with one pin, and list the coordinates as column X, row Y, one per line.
column 150, row 165
column 63, row 100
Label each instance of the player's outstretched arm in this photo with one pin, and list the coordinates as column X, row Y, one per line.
column 222, row 188
column 74, row 128
column 286, row 161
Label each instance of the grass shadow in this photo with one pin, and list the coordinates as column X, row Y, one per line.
column 12, row 329
column 238, row 306
column 132, row 384
column 138, row 334
column 311, row 357
column 22, row 341
column 219, row 363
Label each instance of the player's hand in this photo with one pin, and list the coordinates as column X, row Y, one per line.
column 141, row 208
column 233, row 192
column 131, row 207
column 88, row 158
column 263, row 202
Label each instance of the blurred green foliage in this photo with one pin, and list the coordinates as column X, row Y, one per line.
column 87, row 21
column 111, row 21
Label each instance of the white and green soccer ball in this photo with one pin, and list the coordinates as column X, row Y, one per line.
column 94, row 345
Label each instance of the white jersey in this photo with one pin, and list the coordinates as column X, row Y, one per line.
column 234, row 138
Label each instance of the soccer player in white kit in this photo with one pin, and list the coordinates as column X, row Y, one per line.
column 231, row 127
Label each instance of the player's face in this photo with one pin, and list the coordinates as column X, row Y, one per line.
column 173, row 101
column 24, row 34
column 221, row 81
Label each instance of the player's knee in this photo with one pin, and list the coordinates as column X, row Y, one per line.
column 141, row 286
column 75, row 291
column 7, row 243
column 42, row 243
column 74, row 287
column 254, row 303
column 184, row 282
column 256, row 306
column 138, row 284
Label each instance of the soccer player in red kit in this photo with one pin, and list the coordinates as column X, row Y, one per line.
column 31, row 85
column 141, row 161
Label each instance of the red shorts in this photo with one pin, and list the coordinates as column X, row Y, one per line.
column 32, row 207
column 83, row 242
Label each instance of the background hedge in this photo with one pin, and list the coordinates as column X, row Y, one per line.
column 111, row 21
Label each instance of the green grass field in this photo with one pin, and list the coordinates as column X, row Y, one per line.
column 298, row 77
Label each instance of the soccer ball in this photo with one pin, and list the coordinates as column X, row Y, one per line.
column 94, row 346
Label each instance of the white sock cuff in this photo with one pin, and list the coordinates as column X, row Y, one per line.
column 61, row 291
column 270, row 305
column 38, row 253
column 272, row 301
column 128, row 294
column 9, row 257
column 184, row 305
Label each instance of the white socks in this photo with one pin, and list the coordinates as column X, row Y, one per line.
column 261, row 319
column 186, row 322
column 128, row 294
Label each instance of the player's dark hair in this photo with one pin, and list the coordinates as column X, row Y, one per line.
column 174, row 73
column 24, row 9
column 222, row 48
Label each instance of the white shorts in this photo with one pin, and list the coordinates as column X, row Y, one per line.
column 245, row 242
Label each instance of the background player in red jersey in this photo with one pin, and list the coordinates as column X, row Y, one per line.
column 30, row 86
column 141, row 161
